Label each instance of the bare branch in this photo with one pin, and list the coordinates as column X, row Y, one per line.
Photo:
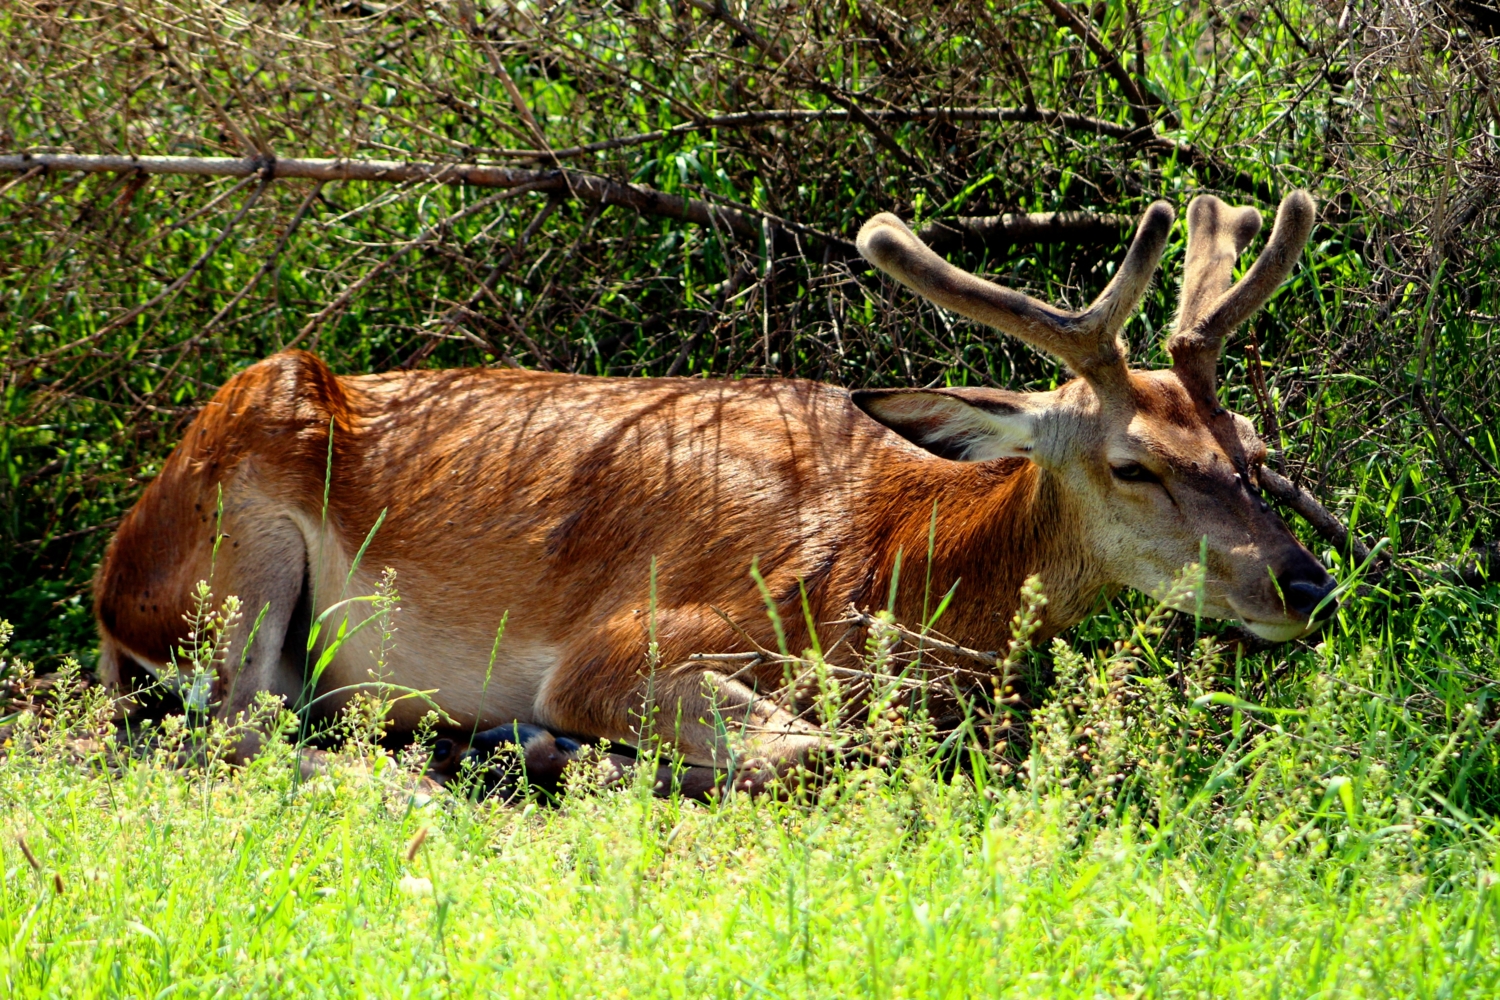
column 803, row 116
column 590, row 187
column 202, row 334
column 487, row 286
column 1091, row 228
column 175, row 286
column 344, row 297
column 1036, row 227
column 979, row 656
column 1144, row 137
column 835, row 94
column 1332, row 530
column 1475, row 453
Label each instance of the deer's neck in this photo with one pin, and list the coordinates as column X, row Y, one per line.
column 997, row 524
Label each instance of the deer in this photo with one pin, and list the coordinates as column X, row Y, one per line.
column 596, row 513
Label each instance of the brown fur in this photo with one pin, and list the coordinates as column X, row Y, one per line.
column 546, row 496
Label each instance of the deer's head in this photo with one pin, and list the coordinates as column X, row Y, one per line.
column 1159, row 473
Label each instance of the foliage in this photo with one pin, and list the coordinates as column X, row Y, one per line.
column 1168, row 835
column 1368, row 374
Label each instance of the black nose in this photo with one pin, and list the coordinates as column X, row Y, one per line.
column 1303, row 595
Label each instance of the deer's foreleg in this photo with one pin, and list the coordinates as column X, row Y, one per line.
column 608, row 688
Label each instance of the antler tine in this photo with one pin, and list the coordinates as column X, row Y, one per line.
column 1087, row 342
column 1210, row 309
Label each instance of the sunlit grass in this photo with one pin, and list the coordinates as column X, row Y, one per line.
column 1178, row 829
column 913, row 886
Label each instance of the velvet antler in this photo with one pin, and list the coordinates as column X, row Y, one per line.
column 1088, row 342
column 1210, row 308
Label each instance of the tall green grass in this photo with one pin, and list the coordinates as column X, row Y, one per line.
column 1176, row 823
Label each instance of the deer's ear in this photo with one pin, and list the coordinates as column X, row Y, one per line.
column 965, row 425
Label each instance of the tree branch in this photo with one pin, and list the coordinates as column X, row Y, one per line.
column 998, row 231
column 1286, row 492
column 486, row 287
column 800, row 116
column 186, row 276
column 347, row 295
column 1144, row 137
column 1088, row 228
column 920, row 639
column 836, row 94
column 1478, row 456
column 564, row 183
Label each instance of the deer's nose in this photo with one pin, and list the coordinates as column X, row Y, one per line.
column 1303, row 594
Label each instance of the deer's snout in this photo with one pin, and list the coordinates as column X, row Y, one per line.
column 1304, row 588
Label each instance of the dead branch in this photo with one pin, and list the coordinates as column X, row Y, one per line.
column 805, row 116
column 186, row 276
column 1089, row 228
column 281, row 242
column 347, row 295
column 836, row 94
column 196, row 213
column 202, row 334
column 1475, row 453
column 486, row 287
column 726, row 292
column 861, row 618
column 563, row 183
column 1286, row 492
column 28, row 175
column 1144, row 136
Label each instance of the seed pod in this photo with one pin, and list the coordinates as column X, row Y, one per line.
column 415, row 844
column 30, row 858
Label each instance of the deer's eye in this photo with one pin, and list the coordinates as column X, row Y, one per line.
column 1134, row 472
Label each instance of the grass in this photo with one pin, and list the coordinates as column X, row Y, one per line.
column 1181, row 825
column 893, row 885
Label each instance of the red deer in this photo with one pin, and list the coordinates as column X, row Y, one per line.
column 547, row 496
